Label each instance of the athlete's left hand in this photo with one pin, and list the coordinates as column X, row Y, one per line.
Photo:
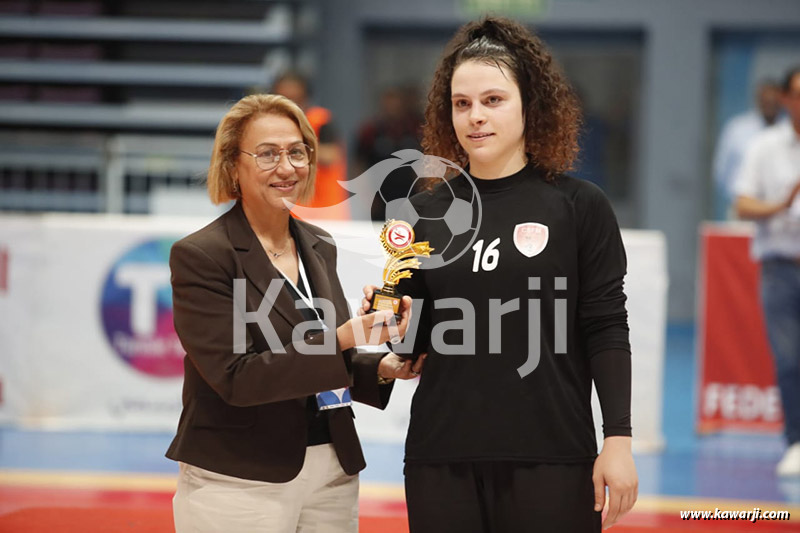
column 392, row 366
column 614, row 468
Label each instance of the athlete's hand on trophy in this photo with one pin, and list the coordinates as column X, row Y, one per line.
column 376, row 328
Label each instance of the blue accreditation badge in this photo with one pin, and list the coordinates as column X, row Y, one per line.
column 333, row 399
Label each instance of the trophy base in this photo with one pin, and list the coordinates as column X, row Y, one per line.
column 383, row 300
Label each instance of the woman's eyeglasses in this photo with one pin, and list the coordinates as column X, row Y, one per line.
column 299, row 156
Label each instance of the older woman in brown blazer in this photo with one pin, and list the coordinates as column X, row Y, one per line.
column 266, row 440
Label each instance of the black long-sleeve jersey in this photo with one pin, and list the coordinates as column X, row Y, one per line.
column 544, row 276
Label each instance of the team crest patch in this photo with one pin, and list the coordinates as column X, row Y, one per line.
column 531, row 238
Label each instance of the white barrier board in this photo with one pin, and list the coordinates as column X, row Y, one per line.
column 86, row 338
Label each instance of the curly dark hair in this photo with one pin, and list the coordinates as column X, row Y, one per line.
column 551, row 110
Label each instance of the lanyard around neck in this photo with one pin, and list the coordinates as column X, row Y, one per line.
column 307, row 299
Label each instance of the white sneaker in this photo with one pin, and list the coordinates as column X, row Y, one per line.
column 789, row 466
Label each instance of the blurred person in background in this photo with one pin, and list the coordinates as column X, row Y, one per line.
column 767, row 188
column 736, row 136
column 396, row 127
column 266, row 440
column 501, row 437
column 331, row 159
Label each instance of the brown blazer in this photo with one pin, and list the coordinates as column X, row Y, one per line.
column 244, row 415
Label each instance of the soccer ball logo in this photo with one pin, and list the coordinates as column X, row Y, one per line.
column 453, row 214
column 449, row 216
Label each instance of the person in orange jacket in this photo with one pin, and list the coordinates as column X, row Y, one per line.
column 332, row 161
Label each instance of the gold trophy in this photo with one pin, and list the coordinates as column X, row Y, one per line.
column 397, row 238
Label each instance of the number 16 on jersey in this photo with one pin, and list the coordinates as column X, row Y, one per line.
column 486, row 259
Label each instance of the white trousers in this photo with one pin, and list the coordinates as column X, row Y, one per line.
column 321, row 499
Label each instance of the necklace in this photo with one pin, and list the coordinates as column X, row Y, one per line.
column 276, row 255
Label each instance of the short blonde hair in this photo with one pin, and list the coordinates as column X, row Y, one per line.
column 221, row 173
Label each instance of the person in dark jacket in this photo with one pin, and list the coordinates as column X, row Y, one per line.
column 266, row 440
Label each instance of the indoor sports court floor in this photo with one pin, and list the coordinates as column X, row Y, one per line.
column 92, row 482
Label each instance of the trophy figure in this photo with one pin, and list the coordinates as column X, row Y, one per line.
column 397, row 238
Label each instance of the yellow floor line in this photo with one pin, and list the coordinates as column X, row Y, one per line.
column 87, row 480
column 382, row 491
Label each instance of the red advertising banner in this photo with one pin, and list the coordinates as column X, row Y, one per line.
column 737, row 378
column 3, row 269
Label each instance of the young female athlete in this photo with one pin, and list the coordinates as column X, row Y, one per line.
column 516, row 329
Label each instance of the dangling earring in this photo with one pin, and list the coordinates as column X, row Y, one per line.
column 235, row 187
